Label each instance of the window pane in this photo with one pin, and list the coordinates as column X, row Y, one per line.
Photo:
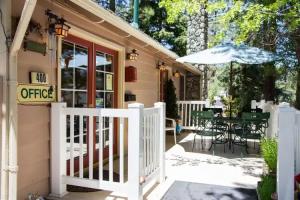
column 67, row 64
column 99, row 81
column 80, row 99
column 80, row 79
column 67, row 96
column 67, row 55
column 109, row 96
column 99, row 100
column 109, row 66
column 67, row 78
column 100, row 61
column 81, row 57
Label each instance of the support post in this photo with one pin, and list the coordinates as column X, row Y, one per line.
column 135, row 150
column 285, row 162
column 5, row 36
column 162, row 139
column 58, row 149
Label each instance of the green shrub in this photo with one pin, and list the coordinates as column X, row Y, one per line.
column 269, row 153
column 171, row 100
column 267, row 187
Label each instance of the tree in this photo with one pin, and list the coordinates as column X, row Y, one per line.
column 153, row 21
column 247, row 21
column 274, row 21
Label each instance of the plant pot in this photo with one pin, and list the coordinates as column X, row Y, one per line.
column 274, row 196
column 258, row 185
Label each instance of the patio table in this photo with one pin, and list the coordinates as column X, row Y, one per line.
column 230, row 121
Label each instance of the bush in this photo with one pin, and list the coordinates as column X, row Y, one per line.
column 171, row 100
column 266, row 187
column 269, row 153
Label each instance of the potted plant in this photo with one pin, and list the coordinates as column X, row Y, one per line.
column 171, row 103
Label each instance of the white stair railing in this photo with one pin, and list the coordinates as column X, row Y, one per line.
column 146, row 140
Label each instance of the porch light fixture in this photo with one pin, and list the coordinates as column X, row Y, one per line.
column 57, row 25
column 176, row 74
column 133, row 55
column 161, row 66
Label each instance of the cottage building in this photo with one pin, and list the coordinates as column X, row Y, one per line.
column 102, row 62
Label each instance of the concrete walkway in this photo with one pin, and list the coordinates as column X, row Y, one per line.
column 201, row 166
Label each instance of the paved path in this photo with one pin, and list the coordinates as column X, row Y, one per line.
column 224, row 169
column 228, row 169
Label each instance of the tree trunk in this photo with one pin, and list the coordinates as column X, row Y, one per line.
column 268, row 42
column 112, row 5
column 297, row 44
column 197, row 31
column 269, row 82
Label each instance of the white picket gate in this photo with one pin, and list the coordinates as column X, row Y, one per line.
column 185, row 109
column 288, row 150
column 145, row 153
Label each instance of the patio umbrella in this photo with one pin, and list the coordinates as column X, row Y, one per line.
column 230, row 53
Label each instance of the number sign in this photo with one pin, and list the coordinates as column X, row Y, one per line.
column 39, row 78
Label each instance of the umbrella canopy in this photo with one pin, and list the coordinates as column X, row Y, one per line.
column 229, row 52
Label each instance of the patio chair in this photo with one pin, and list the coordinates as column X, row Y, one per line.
column 172, row 127
column 206, row 126
column 251, row 127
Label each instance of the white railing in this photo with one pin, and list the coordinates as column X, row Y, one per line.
column 185, row 109
column 288, row 150
column 146, row 138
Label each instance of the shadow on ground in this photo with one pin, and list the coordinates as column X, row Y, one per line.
column 197, row 191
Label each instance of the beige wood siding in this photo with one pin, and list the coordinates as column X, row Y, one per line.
column 34, row 121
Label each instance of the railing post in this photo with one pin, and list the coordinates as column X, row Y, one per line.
column 135, row 150
column 162, row 139
column 285, row 163
column 58, row 149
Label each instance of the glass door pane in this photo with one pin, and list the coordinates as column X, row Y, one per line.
column 104, row 89
column 74, row 67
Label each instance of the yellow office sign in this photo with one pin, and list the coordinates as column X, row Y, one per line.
column 35, row 94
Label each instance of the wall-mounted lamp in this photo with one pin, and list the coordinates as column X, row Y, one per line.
column 176, row 74
column 133, row 55
column 161, row 66
column 57, row 25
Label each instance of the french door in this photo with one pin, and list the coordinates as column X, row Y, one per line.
column 89, row 79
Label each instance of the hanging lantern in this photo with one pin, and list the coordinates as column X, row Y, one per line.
column 61, row 29
column 176, row 74
column 161, row 66
column 57, row 25
column 133, row 55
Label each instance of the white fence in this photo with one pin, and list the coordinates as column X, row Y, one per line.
column 185, row 109
column 146, row 147
column 272, row 130
column 288, row 150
